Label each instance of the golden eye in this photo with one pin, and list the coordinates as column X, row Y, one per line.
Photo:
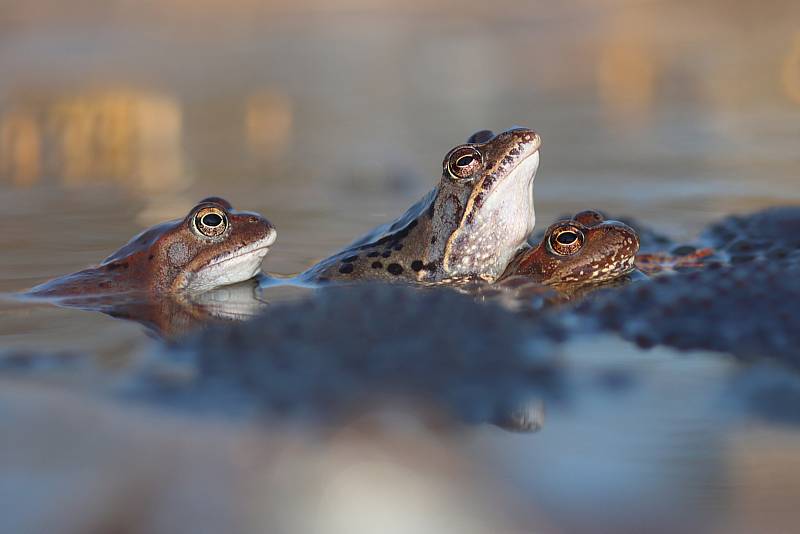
column 211, row 222
column 565, row 240
column 463, row 162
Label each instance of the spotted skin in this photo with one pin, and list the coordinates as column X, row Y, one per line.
column 175, row 256
column 586, row 249
column 470, row 225
column 763, row 237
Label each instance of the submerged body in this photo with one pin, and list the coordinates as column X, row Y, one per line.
column 470, row 225
column 766, row 236
column 213, row 245
column 586, row 249
column 654, row 263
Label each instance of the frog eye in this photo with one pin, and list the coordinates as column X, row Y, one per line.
column 463, row 162
column 565, row 240
column 211, row 222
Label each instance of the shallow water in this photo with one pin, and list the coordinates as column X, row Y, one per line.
column 332, row 120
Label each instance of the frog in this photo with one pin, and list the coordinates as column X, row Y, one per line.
column 587, row 249
column 213, row 245
column 470, row 225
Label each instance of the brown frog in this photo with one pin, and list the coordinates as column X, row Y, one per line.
column 213, row 245
column 470, row 225
column 586, row 249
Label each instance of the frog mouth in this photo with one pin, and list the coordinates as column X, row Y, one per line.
column 231, row 267
column 253, row 249
column 517, row 168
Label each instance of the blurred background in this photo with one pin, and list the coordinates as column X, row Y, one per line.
column 332, row 117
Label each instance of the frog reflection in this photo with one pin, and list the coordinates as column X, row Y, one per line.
column 172, row 315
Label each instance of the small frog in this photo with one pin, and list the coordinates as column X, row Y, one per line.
column 213, row 245
column 586, row 249
column 470, row 225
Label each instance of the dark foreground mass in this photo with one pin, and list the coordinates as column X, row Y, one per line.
column 348, row 346
column 751, row 311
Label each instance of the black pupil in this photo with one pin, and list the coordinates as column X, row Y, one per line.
column 464, row 161
column 211, row 219
column 567, row 238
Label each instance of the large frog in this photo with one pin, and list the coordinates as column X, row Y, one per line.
column 213, row 245
column 586, row 249
column 469, row 226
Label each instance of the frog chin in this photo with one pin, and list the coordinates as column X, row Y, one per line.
column 230, row 268
column 499, row 229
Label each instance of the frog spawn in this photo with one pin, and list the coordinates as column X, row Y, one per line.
column 737, row 295
column 748, row 310
column 482, row 373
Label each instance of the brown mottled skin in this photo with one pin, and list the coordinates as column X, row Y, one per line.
column 658, row 262
column 470, row 225
column 175, row 256
column 586, row 249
